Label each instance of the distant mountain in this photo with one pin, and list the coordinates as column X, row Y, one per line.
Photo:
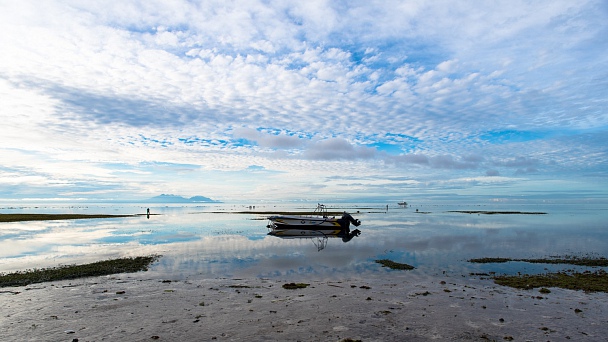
column 165, row 198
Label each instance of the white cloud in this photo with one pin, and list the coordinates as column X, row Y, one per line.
column 93, row 86
column 280, row 141
column 338, row 149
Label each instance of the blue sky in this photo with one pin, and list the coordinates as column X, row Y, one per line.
column 303, row 100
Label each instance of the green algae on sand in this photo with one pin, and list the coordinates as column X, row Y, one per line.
column 100, row 268
column 567, row 260
column 586, row 281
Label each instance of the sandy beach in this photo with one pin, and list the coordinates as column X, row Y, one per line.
column 398, row 306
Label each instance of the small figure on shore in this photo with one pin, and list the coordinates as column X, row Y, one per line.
column 148, row 213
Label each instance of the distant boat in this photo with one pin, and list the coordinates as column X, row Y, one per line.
column 403, row 204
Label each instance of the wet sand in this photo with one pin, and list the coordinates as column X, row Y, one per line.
column 397, row 306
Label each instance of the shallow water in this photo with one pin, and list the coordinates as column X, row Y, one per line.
column 211, row 241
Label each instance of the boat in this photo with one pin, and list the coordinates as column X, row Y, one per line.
column 403, row 204
column 319, row 224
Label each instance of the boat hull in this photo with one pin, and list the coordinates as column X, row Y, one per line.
column 303, row 226
column 304, row 232
column 301, row 221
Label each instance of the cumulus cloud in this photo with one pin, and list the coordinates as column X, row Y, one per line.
column 439, row 162
column 417, row 159
column 337, row 149
column 519, row 161
column 273, row 141
column 525, row 171
column 449, row 162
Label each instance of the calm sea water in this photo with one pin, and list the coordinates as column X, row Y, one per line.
column 213, row 240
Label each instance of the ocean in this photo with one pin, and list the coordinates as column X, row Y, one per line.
column 219, row 240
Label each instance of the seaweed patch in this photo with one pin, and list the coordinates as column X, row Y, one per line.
column 100, row 268
column 394, row 265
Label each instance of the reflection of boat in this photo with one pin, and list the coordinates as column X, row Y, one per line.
column 319, row 239
column 317, row 225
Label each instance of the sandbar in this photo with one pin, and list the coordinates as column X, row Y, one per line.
column 50, row 217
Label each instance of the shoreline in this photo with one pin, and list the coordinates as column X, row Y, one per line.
column 394, row 306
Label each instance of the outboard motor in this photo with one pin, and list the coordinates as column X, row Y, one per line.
column 351, row 219
column 345, row 222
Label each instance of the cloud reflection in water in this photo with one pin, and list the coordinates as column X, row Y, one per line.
column 204, row 244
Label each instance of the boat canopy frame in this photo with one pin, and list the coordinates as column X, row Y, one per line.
column 321, row 210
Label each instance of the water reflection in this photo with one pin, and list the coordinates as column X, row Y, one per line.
column 216, row 242
column 320, row 240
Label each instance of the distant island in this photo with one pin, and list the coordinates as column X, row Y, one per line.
column 165, row 198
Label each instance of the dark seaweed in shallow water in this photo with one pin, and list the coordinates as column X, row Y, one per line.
column 394, row 265
column 295, row 286
column 586, row 281
column 567, row 260
column 100, row 268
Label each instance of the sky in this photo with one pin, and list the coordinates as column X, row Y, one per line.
column 303, row 100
